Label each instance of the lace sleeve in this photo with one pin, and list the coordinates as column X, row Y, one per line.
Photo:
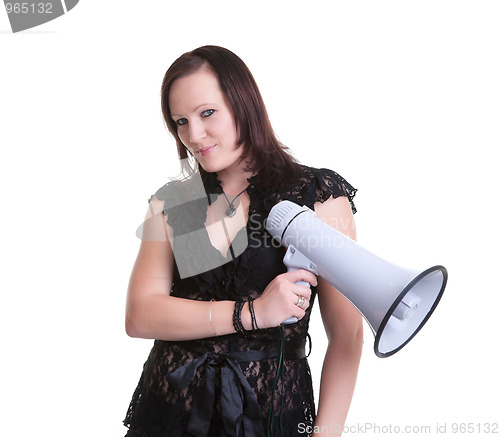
column 330, row 183
column 318, row 185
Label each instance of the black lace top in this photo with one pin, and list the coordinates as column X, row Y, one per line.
column 163, row 405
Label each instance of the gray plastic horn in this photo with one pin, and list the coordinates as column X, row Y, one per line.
column 396, row 302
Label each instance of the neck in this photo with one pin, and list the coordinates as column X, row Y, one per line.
column 234, row 181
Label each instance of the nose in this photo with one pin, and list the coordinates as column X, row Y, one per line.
column 196, row 131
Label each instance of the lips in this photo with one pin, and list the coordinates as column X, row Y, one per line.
column 206, row 150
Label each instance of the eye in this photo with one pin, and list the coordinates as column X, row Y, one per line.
column 182, row 121
column 207, row 113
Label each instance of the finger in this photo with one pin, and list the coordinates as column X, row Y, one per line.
column 302, row 275
column 299, row 313
column 300, row 301
column 301, row 290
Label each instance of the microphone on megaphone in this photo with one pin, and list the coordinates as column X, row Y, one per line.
column 396, row 302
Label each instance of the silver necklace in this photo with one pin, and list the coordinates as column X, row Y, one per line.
column 231, row 210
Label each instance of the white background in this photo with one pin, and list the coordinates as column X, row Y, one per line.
column 401, row 98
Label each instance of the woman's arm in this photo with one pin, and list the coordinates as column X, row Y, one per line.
column 152, row 313
column 344, row 329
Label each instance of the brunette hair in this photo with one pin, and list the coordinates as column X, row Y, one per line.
column 266, row 155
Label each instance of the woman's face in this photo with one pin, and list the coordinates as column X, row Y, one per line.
column 205, row 123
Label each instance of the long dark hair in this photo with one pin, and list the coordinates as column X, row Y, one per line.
column 266, row 155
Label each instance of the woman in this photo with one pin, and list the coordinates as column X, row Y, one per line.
column 223, row 364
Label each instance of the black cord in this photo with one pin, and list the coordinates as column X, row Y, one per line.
column 231, row 209
column 279, row 376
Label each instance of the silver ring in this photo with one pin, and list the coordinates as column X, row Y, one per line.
column 300, row 301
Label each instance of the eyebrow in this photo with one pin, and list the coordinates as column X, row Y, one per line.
column 195, row 109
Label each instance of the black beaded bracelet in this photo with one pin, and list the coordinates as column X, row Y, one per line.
column 252, row 314
column 237, row 324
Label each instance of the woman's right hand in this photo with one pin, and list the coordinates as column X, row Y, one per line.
column 278, row 302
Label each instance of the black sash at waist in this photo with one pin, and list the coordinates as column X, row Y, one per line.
column 239, row 406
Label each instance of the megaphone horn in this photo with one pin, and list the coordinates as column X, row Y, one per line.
column 396, row 302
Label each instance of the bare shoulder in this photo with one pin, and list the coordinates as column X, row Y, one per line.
column 153, row 269
column 154, row 226
column 337, row 213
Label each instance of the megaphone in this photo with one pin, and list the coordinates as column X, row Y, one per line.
column 396, row 302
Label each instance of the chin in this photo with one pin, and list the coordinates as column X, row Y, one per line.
column 215, row 164
column 209, row 167
column 213, row 167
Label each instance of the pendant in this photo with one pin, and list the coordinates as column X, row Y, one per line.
column 231, row 211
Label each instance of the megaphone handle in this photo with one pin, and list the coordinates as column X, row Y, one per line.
column 295, row 260
column 291, row 320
